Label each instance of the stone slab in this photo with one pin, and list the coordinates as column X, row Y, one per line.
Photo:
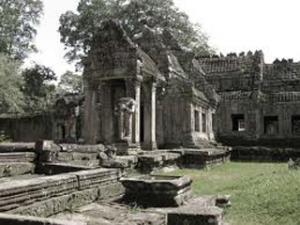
column 16, row 168
column 113, row 214
column 195, row 216
column 25, row 220
column 16, row 147
column 17, row 157
column 157, row 191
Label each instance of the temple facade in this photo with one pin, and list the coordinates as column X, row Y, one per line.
column 145, row 93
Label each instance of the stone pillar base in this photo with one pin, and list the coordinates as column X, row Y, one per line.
column 150, row 146
column 125, row 148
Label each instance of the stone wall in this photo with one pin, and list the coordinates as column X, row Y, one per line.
column 255, row 131
column 264, row 154
column 27, row 129
column 260, row 102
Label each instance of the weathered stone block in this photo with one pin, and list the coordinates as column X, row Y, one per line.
column 96, row 177
column 196, row 216
column 157, row 191
column 83, row 148
column 113, row 190
column 46, row 150
column 23, row 220
column 16, row 147
column 16, row 168
column 55, row 205
column 15, row 194
column 17, row 157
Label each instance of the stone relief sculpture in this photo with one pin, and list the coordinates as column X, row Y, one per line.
column 125, row 108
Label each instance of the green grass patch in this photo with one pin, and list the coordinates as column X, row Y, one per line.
column 261, row 193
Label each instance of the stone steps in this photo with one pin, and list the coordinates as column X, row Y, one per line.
column 23, row 193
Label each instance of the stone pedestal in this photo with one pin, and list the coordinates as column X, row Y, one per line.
column 157, row 191
column 126, row 148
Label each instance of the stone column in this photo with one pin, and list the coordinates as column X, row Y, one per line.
column 150, row 118
column 211, row 113
column 136, row 116
column 89, row 115
column 121, row 126
column 108, row 114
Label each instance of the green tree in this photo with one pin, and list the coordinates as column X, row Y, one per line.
column 78, row 29
column 19, row 19
column 38, row 88
column 11, row 97
column 70, row 83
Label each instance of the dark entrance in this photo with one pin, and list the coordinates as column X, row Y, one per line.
column 271, row 125
column 238, row 122
column 296, row 124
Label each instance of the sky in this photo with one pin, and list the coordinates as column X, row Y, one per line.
column 232, row 25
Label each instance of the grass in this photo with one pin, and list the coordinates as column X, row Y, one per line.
column 261, row 193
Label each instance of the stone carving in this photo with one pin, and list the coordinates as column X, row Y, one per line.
column 124, row 109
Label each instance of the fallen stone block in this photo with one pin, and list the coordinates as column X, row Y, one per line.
column 195, row 216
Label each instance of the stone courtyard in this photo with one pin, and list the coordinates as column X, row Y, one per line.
column 149, row 105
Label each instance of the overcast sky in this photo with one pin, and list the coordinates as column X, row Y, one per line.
column 233, row 26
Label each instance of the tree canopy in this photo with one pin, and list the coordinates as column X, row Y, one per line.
column 11, row 97
column 78, row 29
column 38, row 89
column 19, row 19
column 70, row 83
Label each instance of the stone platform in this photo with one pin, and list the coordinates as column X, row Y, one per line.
column 48, row 195
column 112, row 214
column 78, row 179
column 149, row 161
column 205, row 158
column 197, row 211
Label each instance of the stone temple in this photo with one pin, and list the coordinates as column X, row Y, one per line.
column 148, row 93
column 145, row 93
column 148, row 104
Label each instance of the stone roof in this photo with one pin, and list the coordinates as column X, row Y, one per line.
column 152, row 43
column 113, row 55
column 149, row 67
column 230, row 64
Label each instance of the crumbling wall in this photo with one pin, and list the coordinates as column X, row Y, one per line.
column 232, row 73
column 266, row 96
column 27, row 129
column 281, row 76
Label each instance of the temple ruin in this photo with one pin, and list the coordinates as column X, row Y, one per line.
column 148, row 105
column 145, row 93
column 148, row 93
